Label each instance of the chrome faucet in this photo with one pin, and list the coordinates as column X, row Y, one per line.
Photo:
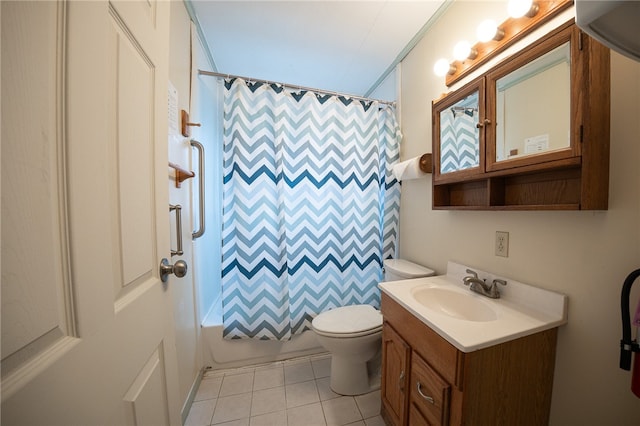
column 480, row 286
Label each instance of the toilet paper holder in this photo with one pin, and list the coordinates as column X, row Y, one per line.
column 426, row 163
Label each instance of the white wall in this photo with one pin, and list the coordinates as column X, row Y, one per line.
column 387, row 89
column 585, row 255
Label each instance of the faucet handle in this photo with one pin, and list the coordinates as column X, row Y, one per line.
column 474, row 273
column 494, row 293
column 474, row 276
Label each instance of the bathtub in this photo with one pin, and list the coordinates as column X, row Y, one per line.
column 221, row 353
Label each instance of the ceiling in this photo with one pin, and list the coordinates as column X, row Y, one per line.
column 342, row 46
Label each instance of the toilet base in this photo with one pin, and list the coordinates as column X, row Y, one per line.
column 354, row 378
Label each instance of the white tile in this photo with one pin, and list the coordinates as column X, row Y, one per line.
column 369, row 404
column 299, row 360
column 341, row 411
column 241, row 422
column 298, row 372
column 234, row 407
column 303, row 393
column 213, row 373
column 209, row 388
column 322, row 355
column 266, row 378
column 358, row 423
column 240, row 370
column 268, row 401
column 307, row 415
column 321, row 367
column 236, row 384
column 375, row 421
column 279, row 418
column 324, row 389
column 200, row 413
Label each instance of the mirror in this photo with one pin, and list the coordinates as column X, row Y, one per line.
column 533, row 106
column 459, row 143
column 457, row 130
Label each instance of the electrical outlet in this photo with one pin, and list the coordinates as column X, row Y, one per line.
column 502, row 244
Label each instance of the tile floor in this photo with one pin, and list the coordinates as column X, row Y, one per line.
column 286, row 393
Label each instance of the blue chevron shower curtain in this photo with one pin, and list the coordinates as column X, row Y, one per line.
column 310, row 206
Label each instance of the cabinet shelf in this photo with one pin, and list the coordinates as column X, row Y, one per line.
column 555, row 189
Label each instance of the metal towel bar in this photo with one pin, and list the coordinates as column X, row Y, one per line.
column 200, row 148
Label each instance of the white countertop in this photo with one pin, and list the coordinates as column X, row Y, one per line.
column 521, row 309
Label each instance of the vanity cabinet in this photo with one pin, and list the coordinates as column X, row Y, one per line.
column 532, row 133
column 428, row 381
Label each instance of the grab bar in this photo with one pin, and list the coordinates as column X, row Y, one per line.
column 200, row 148
column 178, row 208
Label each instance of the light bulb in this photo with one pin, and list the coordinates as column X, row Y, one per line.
column 488, row 30
column 463, row 50
column 442, row 67
column 520, row 8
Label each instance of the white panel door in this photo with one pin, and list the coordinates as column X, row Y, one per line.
column 87, row 324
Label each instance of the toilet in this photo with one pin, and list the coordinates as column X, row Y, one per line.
column 353, row 336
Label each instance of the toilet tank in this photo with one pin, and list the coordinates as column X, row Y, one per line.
column 400, row 269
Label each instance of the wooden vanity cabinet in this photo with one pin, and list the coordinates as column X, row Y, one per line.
column 506, row 384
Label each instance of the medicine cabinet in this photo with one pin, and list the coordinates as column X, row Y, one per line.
column 532, row 133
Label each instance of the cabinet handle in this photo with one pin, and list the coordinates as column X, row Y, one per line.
column 401, row 381
column 483, row 123
column 428, row 398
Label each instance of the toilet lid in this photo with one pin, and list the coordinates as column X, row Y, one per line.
column 348, row 320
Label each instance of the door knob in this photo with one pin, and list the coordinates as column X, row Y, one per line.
column 179, row 268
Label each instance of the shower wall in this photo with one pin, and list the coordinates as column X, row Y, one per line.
column 206, row 102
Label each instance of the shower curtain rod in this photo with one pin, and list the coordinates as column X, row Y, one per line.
column 293, row 86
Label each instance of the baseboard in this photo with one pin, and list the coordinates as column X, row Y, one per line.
column 191, row 396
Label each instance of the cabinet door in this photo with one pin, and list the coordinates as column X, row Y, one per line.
column 395, row 363
column 429, row 394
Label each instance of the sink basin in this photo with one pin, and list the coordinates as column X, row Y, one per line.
column 454, row 304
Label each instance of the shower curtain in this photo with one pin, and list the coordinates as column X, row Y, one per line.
column 310, row 206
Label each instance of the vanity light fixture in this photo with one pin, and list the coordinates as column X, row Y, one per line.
column 463, row 50
column 494, row 39
column 520, row 8
column 442, row 67
column 488, row 30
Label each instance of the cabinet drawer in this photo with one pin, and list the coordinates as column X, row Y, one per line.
column 416, row 418
column 429, row 393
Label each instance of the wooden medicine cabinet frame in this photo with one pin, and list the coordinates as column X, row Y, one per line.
column 574, row 178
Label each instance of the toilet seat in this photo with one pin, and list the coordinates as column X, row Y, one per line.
column 348, row 321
